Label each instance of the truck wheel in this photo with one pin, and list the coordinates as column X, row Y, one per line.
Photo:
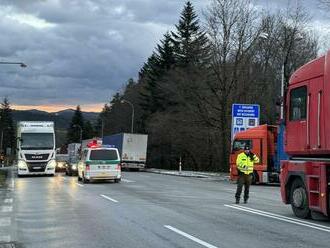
column 117, row 180
column 299, row 199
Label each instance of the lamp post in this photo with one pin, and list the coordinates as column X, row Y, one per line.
column 297, row 37
column 132, row 106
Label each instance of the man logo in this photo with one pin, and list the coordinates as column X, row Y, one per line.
column 36, row 157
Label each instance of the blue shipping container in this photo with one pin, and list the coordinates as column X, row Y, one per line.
column 114, row 140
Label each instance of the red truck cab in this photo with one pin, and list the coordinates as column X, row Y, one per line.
column 262, row 141
column 305, row 176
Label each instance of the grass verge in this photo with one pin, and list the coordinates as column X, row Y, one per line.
column 3, row 176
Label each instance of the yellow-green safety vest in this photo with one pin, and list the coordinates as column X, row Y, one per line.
column 245, row 163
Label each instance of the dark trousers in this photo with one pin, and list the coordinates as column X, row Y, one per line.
column 245, row 180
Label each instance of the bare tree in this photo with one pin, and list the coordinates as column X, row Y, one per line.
column 233, row 30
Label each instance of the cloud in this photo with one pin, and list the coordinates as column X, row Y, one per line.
column 79, row 52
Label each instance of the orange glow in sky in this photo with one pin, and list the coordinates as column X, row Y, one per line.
column 55, row 108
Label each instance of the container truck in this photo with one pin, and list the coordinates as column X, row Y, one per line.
column 74, row 154
column 35, row 148
column 132, row 149
column 267, row 143
column 305, row 176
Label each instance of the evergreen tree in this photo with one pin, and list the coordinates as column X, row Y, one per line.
column 6, row 126
column 152, row 74
column 190, row 42
column 77, row 121
column 88, row 130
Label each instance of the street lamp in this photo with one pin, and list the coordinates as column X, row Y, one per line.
column 21, row 64
column 131, row 104
column 298, row 36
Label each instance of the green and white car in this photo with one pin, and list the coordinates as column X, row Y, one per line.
column 99, row 163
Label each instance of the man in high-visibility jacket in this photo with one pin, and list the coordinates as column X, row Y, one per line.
column 244, row 163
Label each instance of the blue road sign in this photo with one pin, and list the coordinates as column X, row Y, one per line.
column 244, row 116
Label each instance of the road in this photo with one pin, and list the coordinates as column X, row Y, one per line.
column 150, row 210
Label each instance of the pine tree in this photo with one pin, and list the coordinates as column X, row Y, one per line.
column 152, row 73
column 6, row 126
column 190, row 42
column 165, row 51
column 77, row 121
column 88, row 130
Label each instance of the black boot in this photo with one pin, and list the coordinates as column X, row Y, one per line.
column 237, row 201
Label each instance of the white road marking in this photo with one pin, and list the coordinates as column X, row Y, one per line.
column 188, row 236
column 5, row 221
column 6, row 209
column 80, row 185
column 5, row 238
column 9, row 200
column 127, row 181
column 281, row 217
column 109, row 198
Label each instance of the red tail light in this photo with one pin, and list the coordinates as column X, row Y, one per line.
column 118, row 167
column 87, row 167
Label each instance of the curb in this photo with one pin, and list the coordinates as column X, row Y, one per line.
column 176, row 174
column 183, row 174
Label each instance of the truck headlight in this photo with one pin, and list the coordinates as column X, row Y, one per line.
column 51, row 164
column 21, row 164
column 74, row 167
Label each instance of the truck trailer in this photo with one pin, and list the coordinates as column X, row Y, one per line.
column 132, row 149
column 305, row 176
column 36, row 148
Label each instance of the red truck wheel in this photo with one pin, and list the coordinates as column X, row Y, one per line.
column 299, row 200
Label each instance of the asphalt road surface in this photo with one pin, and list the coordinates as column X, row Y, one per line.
column 150, row 210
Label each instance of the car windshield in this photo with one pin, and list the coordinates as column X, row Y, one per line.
column 37, row 141
column 103, row 155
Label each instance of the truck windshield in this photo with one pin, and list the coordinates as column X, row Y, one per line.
column 103, row 155
column 240, row 144
column 37, row 141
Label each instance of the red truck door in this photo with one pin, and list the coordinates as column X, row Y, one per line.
column 296, row 126
column 315, row 120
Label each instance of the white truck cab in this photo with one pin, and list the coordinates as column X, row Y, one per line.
column 99, row 163
column 36, row 148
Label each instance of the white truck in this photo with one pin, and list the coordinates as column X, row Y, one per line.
column 36, row 148
column 132, row 148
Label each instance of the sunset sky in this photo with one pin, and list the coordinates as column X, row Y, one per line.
column 82, row 52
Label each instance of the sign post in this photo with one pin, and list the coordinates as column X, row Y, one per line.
column 244, row 116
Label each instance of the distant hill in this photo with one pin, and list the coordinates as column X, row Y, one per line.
column 61, row 119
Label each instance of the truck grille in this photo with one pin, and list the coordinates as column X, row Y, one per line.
column 37, row 156
column 37, row 167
